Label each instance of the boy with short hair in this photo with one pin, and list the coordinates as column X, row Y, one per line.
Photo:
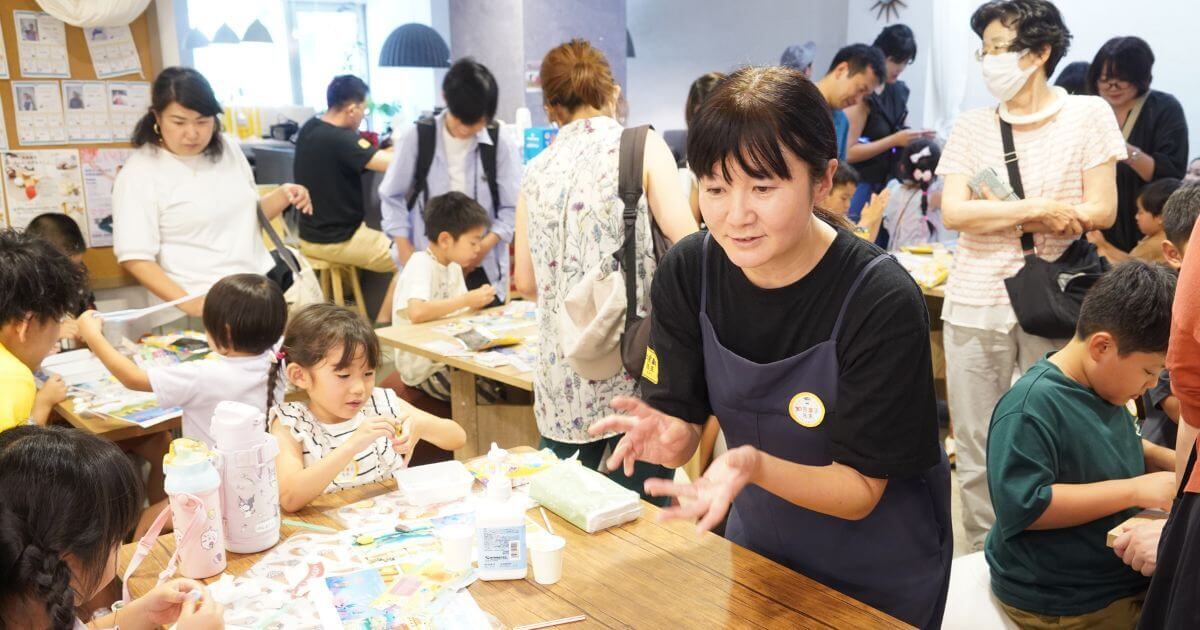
column 432, row 286
column 1151, row 203
column 845, row 181
column 1179, row 217
column 64, row 234
column 38, row 286
column 1065, row 464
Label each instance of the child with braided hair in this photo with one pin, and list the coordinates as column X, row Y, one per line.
column 913, row 215
column 68, row 499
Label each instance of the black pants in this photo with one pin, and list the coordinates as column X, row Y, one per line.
column 590, row 454
column 478, row 278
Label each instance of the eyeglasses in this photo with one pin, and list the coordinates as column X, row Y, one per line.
column 1113, row 84
column 994, row 49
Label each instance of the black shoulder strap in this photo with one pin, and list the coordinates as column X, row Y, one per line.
column 629, row 187
column 426, row 144
column 487, row 155
column 1014, row 177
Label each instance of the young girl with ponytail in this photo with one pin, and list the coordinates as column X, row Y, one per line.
column 913, row 215
column 67, row 501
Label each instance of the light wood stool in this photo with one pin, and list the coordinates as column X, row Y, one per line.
column 330, row 274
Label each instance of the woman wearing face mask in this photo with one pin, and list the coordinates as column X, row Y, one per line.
column 1066, row 148
column 184, row 203
column 811, row 347
column 1155, row 130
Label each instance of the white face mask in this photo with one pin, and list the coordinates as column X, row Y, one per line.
column 1003, row 74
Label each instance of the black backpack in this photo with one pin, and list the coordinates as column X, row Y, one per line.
column 427, row 142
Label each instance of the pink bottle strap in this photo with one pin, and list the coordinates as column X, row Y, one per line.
column 146, row 544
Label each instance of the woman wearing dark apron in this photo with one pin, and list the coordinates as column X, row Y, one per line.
column 811, row 346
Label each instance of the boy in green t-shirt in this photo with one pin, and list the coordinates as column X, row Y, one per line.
column 1065, row 462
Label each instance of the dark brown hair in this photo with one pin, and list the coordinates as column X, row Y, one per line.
column 320, row 328
column 1126, row 58
column 699, row 91
column 752, row 117
column 62, row 492
column 575, row 74
column 246, row 312
column 1038, row 24
column 190, row 89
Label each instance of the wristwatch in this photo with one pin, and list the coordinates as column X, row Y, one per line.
column 1133, row 154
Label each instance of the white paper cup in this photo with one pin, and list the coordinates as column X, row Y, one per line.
column 546, row 555
column 456, row 547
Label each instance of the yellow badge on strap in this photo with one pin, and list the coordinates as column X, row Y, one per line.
column 364, row 143
column 650, row 366
column 806, row 409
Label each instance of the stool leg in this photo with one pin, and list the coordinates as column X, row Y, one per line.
column 356, row 290
column 325, row 283
column 339, row 298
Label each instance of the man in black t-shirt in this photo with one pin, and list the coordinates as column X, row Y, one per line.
column 330, row 159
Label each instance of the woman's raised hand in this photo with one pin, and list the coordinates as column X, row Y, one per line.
column 650, row 435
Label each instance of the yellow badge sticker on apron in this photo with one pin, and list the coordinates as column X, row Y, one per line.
column 650, row 366
column 806, row 409
column 364, row 143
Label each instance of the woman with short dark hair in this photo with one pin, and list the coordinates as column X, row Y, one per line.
column 881, row 119
column 811, row 347
column 1155, row 129
column 184, row 202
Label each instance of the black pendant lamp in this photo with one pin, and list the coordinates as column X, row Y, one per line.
column 629, row 45
column 415, row 46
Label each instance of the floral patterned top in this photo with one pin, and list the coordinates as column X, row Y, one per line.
column 574, row 212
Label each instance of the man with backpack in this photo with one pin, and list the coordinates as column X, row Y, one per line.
column 460, row 149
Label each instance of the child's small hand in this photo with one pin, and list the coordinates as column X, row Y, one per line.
column 164, row 604
column 90, row 326
column 481, row 297
column 1154, row 491
column 205, row 614
column 408, row 436
column 370, row 430
column 53, row 391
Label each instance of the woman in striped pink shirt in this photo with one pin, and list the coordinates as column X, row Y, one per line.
column 1066, row 147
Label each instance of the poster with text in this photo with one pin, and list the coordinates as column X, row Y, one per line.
column 127, row 103
column 41, row 181
column 3, row 64
column 86, row 111
column 41, row 45
column 113, row 51
column 100, row 168
column 39, row 114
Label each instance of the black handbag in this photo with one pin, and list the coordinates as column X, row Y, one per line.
column 1046, row 295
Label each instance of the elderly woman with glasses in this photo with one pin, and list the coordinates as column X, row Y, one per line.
column 1152, row 122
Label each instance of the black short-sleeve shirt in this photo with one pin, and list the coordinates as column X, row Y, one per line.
column 886, row 417
column 330, row 162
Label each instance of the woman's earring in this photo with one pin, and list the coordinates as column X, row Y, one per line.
column 156, row 131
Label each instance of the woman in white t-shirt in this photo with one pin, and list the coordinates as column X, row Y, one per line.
column 1066, row 148
column 184, row 202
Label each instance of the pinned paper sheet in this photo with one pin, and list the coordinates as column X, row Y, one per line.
column 3, row 61
column 39, row 112
column 41, row 45
column 127, row 103
column 87, row 111
column 100, row 168
column 37, row 182
column 131, row 314
column 113, row 51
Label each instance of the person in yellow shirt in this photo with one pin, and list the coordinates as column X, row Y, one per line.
column 38, row 286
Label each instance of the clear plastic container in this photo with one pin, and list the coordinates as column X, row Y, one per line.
column 435, row 483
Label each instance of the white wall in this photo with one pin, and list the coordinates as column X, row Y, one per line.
column 862, row 27
column 679, row 40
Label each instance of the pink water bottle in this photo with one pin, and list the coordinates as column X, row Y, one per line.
column 245, row 459
column 194, row 489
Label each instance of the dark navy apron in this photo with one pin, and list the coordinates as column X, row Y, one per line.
column 897, row 559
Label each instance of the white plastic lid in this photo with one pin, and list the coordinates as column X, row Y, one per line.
column 499, row 487
column 236, row 424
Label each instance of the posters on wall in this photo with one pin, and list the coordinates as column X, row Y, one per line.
column 86, row 111
column 41, row 45
column 39, row 114
column 41, row 181
column 4, row 60
column 100, row 168
column 127, row 103
column 113, row 51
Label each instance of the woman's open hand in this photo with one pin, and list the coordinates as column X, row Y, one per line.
column 709, row 498
column 650, row 435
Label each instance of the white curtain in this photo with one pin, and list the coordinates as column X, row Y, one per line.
column 84, row 13
column 954, row 81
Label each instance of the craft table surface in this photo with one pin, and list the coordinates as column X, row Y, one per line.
column 643, row 574
column 411, row 337
column 107, row 428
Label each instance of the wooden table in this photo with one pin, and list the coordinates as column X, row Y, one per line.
column 484, row 424
column 643, row 574
column 107, row 428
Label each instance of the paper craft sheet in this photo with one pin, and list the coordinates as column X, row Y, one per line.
column 86, row 114
column 100, row 168
column 127, row 103
column 41, row 45
column 39, row 113
column 113, row 51
column 36, row 182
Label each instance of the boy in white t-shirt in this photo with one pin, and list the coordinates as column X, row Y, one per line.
column 432, row 284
